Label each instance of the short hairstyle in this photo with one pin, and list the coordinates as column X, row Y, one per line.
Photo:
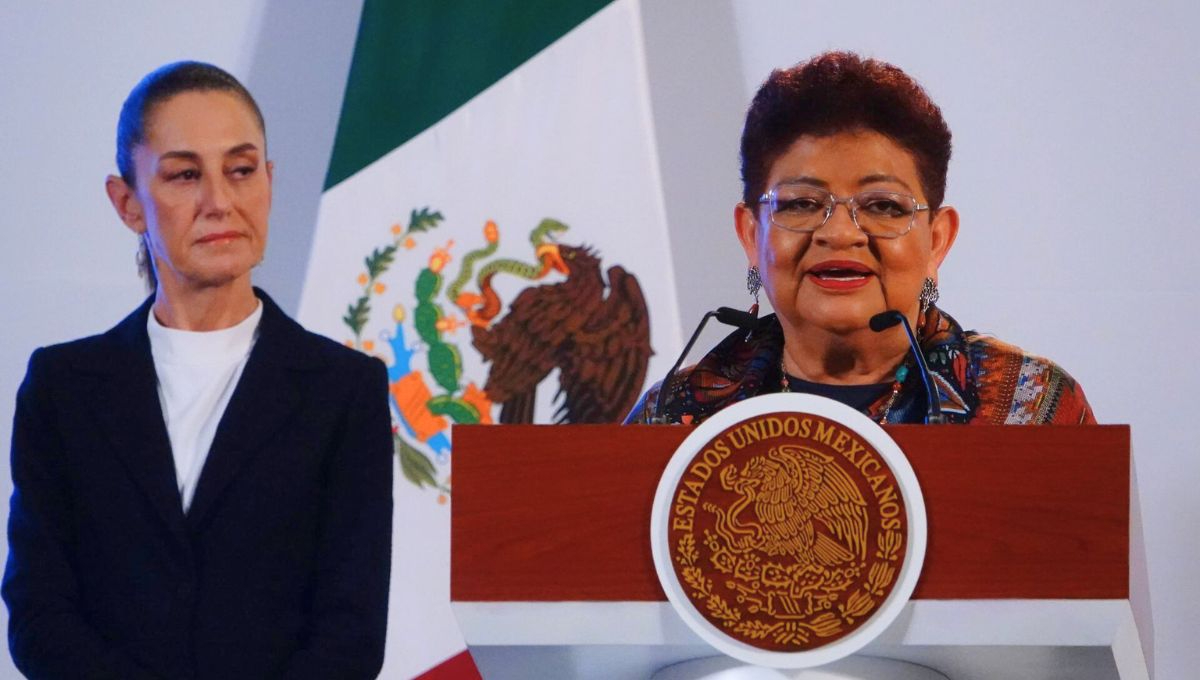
column 159, row 86
column 841, row 92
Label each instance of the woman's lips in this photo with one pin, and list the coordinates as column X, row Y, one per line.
column 222, row 236
column 840, row 274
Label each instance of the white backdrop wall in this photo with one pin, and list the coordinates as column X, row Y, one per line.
column 1074, row 170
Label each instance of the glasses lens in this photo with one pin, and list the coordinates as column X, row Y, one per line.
column 885, row 214
column 799, row 207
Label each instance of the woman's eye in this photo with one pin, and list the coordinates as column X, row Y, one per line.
column 186, row 175
column 885, row 207
column 799, row 205
column 244, row 170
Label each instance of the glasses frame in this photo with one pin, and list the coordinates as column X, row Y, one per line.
column 771, row 196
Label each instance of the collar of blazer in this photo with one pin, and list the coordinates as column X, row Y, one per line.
column 126, row 403
column 281, row 341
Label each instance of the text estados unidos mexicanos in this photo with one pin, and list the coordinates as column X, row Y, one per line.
column 791, row 428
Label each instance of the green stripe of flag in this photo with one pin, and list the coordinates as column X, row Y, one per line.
column 416, row 61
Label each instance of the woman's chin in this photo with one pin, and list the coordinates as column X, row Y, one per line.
column 214, row 278
column 838, row 320
column 227, row 270
column 840, row 323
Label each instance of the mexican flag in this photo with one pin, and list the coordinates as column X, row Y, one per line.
column 493, row 229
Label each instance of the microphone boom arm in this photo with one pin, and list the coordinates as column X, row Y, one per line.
column 933, row 407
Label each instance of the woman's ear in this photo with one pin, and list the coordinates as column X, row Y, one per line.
column 943, row 231
column 125, row 201
column 746, row 225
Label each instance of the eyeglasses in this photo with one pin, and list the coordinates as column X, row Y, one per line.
column 803, row 208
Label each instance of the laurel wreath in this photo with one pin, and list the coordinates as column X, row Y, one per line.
column 827, row 624
column 416, row 467
column 358, row 313
column 880, row 576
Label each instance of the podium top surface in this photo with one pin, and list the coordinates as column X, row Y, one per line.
column 561, row 513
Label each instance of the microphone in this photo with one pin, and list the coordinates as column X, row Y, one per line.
column 736, row 317
column 885, row 320
column 727, row 316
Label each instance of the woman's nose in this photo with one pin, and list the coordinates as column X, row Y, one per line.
column 840, row 230
column 215, row 195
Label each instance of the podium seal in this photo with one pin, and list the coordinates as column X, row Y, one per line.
column 788, row 530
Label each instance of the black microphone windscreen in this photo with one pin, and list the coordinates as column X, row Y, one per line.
column 736, row 317
column 885, row 320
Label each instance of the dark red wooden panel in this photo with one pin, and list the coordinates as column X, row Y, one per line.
column 557, row 513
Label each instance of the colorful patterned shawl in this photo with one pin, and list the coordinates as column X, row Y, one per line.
column 979, row 380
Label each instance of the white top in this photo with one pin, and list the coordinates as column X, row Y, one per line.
column 197, row 373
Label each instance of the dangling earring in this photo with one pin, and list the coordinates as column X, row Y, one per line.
column 145, row 264
column 142, row 257
column 929, row 294
column 753, row 285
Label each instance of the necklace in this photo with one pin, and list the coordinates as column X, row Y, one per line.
column 897, row 380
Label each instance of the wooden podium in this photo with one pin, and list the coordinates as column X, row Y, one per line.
column 1029, row 571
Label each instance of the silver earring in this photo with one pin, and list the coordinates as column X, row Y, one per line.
column 142, row 257
column 929, row 294
column 753, row 283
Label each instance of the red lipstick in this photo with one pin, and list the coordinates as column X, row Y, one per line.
column 840, row 274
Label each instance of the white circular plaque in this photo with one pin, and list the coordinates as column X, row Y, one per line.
column 788, row 530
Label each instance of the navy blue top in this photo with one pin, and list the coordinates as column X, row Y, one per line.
column 857, row 397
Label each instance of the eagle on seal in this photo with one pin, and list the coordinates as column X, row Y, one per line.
column 802, row 504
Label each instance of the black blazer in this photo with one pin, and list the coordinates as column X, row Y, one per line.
column 279, row 569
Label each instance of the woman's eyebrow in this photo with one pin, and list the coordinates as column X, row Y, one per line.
column 871, row 179
column 805, row 179
column 193, row 156
column 185, row 155
column 241, row 148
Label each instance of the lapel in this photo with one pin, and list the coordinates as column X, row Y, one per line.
column 126, row 406
column 266, row 395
